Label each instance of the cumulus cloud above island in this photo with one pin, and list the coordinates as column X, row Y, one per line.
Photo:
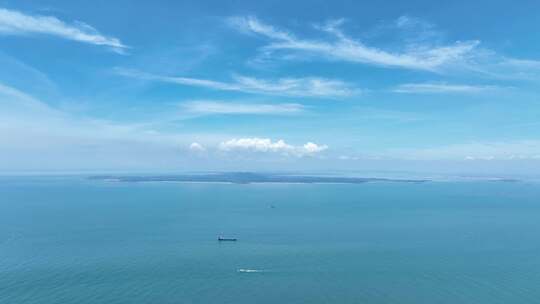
column 263, row 145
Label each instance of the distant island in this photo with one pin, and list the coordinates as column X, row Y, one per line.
column 249, row 177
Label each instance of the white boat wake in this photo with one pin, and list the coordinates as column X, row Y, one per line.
column 249, row 270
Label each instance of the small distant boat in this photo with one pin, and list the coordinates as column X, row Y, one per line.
column 226, row 239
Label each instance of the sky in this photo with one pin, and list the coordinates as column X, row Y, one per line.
column 314, row 86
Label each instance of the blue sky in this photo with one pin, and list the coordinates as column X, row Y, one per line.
column 257, row 85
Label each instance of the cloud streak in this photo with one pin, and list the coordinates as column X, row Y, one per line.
column 420, row 88
column 299, row 87
column 209, row 107
column 16, row 23
column 344, row 48
column 421, row 49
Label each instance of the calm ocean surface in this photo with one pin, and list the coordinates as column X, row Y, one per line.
column 72, row 240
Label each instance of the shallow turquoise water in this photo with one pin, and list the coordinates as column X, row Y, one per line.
column 71, row 240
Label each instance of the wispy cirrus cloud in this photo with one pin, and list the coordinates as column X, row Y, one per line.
column 504, row 68
column 434, row 88
column 17, row 23
column 209, row 107
column 421, row 47
column 345, row 48
column 304, row 87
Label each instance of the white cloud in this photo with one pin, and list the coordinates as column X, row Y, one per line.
column 441, row 88
column 305, row 87
column 489, row 157
column 314, row 148
column 196, row 147
column 406, row 21
column 421, row 47
column 502, row 150
column 500, row 67
column 37, row 136
column 255, row 144
column 265, row 145
column 204, row 107
column 16, row 23
column 344, row 48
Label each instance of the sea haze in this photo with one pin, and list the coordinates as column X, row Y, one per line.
column 79, row 240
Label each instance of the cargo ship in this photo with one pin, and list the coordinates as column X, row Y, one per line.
column 226, row 239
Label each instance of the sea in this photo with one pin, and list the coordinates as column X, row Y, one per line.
column 70, row 239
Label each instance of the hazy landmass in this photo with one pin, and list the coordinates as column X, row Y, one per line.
column 247, row 177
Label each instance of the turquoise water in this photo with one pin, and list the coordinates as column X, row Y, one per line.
column 70, row 240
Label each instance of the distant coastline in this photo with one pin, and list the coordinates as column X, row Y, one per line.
column 250, row 178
